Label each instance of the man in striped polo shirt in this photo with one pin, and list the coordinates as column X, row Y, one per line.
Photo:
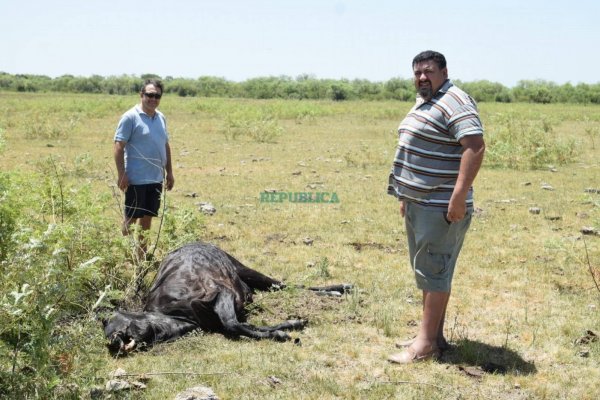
column 439, row 153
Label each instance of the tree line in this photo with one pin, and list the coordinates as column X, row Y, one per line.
column 301, row 87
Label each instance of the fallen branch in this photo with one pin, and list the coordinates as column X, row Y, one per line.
column 170, row 373
column 587, row 256
column 414, row 383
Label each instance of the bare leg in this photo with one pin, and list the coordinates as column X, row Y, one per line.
column 145, row 224
column 434, row 308
column 126, row 226
column 441, row 340
column 442, row 343
column 425, row 345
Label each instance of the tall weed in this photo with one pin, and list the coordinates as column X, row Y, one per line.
column 7, row 212
column 260, row 128
column 520, row 143
column 53, row 272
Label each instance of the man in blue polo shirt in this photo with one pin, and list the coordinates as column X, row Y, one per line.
column 143, row 158
column 439, row 153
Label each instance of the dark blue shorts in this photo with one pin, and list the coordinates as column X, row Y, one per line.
column 142, row 200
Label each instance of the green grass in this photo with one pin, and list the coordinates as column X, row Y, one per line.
column 523, row 292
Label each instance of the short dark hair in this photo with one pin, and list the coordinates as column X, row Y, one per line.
column 427, row 55
column 157, row 83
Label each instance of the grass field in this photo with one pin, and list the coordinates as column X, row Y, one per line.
column 524, row 293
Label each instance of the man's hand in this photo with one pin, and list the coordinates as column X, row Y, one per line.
column 119, row 155
column 472, row 157
column 123, row 182
column 457, row 209
column 170, row 181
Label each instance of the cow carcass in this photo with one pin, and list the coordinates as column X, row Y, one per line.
column 199, row 286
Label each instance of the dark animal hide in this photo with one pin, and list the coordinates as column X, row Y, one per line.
column 198, row 286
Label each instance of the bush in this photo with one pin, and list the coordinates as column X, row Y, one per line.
column 302, row 87
column 8, row 211
column 61, row 263
column 261, row 128
column 486, row 91
column 8, row 216
column 56, row 260
column 523, row 143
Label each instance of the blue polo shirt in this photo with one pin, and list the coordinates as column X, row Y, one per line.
column 145, row 151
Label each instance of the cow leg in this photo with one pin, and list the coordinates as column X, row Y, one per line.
column 289, row 325
column 225, row 310
column 254, row 279
column 332, row 290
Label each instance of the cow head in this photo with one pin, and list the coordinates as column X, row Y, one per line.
column 124, row 332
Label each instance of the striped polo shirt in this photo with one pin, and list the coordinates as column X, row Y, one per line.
column 428, row 155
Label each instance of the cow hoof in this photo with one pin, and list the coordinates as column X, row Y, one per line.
column 297, row 323
column 331, row 293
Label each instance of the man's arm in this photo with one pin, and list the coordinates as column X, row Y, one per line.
column 119, row 154
column 169, row 168
column 472, row 158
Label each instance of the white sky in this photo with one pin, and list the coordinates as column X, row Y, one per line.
column 500, row 41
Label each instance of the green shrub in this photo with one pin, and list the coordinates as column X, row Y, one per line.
column 260, row 128
column 8, row 215
column 525, row 143
column 57, row 262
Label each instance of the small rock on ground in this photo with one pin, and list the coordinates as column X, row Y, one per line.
column 197, row 393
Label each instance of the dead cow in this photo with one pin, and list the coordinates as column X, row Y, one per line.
column 198, row 286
